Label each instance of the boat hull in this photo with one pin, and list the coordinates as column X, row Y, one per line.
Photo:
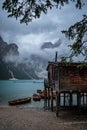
column 36, row 97
column 19, row 101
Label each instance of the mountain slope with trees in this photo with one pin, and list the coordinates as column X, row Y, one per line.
column 9, row 67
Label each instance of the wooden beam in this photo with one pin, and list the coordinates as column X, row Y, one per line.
column 48, row 98
column 64, row 100
column 52, row 99
column 70, row 102
column 57, row 103
column 45, row 97
column 78, row 100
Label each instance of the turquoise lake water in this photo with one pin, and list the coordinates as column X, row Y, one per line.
column 14, row 89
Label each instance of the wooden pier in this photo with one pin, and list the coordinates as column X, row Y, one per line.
column 69, row 84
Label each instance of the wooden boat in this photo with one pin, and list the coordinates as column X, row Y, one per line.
column 39, row 91
column 19, row 101
column 36, row 97
column 42, row 95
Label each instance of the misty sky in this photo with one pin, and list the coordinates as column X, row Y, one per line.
column 47, row 28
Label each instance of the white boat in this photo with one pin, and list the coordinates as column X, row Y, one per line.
column 13, row 79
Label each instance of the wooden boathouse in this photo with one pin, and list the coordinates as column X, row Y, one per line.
column 69, row 81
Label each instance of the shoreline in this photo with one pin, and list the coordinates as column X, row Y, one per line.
column 21, row 107
column 12, row 118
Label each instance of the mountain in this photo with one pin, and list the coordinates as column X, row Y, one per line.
column 7, row 49
column 46, row 45
column 8, row 71
column 3, row 45
column 39, row 63
column 33, row 66
column 49, row 45
column 9, row 67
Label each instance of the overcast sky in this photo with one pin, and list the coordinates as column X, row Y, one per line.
column 46, row 28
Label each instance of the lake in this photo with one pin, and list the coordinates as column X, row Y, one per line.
column 14, row 89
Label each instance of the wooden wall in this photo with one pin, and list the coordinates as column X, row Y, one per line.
column 73, row 78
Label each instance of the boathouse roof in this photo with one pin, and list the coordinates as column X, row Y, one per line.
column 66, row 64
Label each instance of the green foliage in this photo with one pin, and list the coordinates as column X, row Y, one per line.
column 78, row 33
column 82, row 66
column 27, row 10
column 63, row 59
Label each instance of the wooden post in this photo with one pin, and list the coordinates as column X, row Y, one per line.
column 64, row 100
column 86, row 98
column 45, row 98
column 48, row 98
column 52, row 99
column 45, row 94
column 78, row 100
column 83, row 98
column 57, row 103
column 70, row 103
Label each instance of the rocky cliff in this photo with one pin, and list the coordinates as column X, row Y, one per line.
column 9, row 67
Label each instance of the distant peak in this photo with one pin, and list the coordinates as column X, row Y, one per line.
column 50, row 45
column 1, row 38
